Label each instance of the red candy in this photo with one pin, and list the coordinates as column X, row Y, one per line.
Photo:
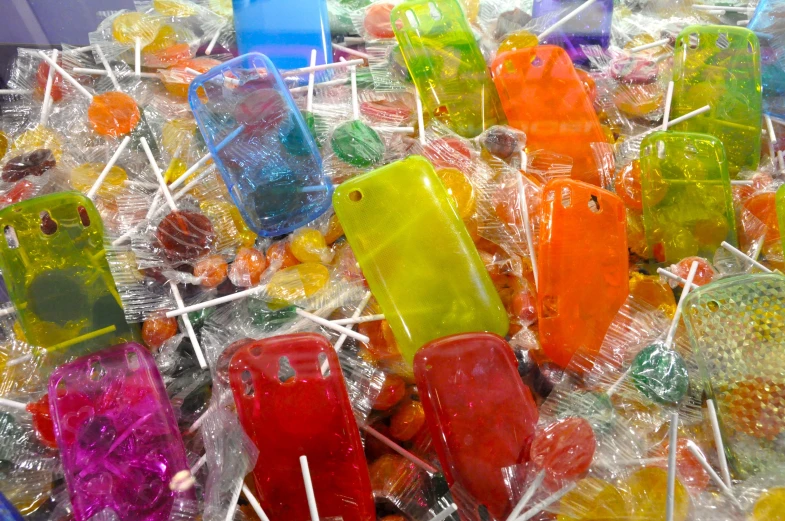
column 564, row 449
column 185, row 235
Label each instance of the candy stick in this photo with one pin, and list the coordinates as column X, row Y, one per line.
column 8, row 310
column 328, row 324
column 309, row 488
column 17, row 361
column 200, row 420
column 743, row 23
column 189, row 328
column 105, row 172
column 447, row 512
column 235, row 499
column 527, row 227
column 397, row 448
column 671, row 275
column 695, row 450
column 199, row 464
column 668, row 101
column 355, row 102
column 729, row 9
column 743, row 256
column 216, row 301
column 70, row 79
column 674, row 440
column 19, row 92
column 48, row 92
column 715, row 429
column 338, row 81
column 355, row 316
column 353, row 40
column 138, row 57
column 311, row 78
column 254, row 504
column 680, row 305
column 141, row 184
column 182, row 481
column 394, row 130
column 107, row 68
column 741, row 182
column 545, row 503
column 651, row 45
column 420, row 118
column 564, row 20
column 527, row 496
column 322, row 67
column 102, row 72
column 14, row 405
column 158, row 174
column 689, row 115
column 358, row 319
column 772, row 135
column 781, row 160
column 209, row 50
column 352, row 52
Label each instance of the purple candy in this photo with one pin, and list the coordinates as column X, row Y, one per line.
column 591, row 27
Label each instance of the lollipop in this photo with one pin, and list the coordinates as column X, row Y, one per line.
column 354, row 142
column 648, row 489
column 770, row 506
column 593, row 499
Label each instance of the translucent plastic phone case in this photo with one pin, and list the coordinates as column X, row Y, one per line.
column 480, row 414
column 767, row 25
column 591, row 27
column 292, row 402
column 117, row 435
column 417, row 255
column 543, row 96
column 447, row 65
column 284, row 30
column 687, row 200
column 7, row 511
column 583, row 263
column 780, row 201
column 52, row 258
column 261, row 144
column 719, row 66
column 736, row 329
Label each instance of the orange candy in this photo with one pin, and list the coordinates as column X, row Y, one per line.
column 689, row 469
column 247, row 268
column 393, row 390
column 157, row 330
column 628, row 186
column 176, row 79
column 281, row 252
column 407, row 421
column 764, row 208
column 113, row 114
column 212, row 270
column 334, row 230
column 703, row 276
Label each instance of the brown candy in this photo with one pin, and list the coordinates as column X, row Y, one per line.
column 33, row 163
column 185, row 235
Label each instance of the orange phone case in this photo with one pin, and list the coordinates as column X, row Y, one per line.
column 583, row 261
column 543, row 96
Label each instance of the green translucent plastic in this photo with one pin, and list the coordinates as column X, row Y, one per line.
column 60, row 284
column 417, row 255
column 446, row 65
column 780, row 198
column 719, row 66
column 737, row 330
column 687, row 202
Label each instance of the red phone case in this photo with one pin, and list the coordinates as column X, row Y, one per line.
column 480, row 414
column 308, row 413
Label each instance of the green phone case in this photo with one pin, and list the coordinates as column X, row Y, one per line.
column 736, row 329
column 417, row 255
column 780, row 198
column 687, row 200
column 719, row 66
column 447, row 65
column 58, row 278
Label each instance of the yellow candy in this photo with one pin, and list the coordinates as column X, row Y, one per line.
column 309, row 245
column 230, row 229
column 593, row 499
column 3, row 144
column 127, row 27
column 177, row 167
column 247, row 236
column 460, row 189
column 174, row 8
column 39, row 137
column 18, row 333
column 298, row 282
column 166, row 37
column 83, row 177
column 649, row 488
column 518, row 40
column 770, row 506
column 176, row 135
column 222, row 7
column 28, row 490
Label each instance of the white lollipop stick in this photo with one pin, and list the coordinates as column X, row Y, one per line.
column 527, row 496
column 105, row 172
column 729, row 9
column 48, row 92
column 107, row 68
column 358, row 319
column 199, row 464
column 189, row 328
column 182, row 481
column 311, row 78
column 652, row 45
column 674, row 439
column 8, row 310
column 397, row 448
column 209, row 50
column 18, row 92
column 447, row 512
column 671, row 275
column 545, row 503
column 772, row 135
column 20, row 360
column 102, row 72
column 394, row 130
column 527, row 228
column 352, row 52
column 355, row 316
column 355, row 101
column 222, row 400
column 781, row 160
column 695, row 450
column 578, row 10
column 690, row 115
column 309, row 489
column 216, row 301
column 615, row 387
column 420, row 118
column 138, row 57
column 321, row 67
column 159, row 175
column 235, row 499
column 741, row 182
column 668, row 101
column 677, row 314
column 70, row 79
column 254, row 504
column 328, row 324
column 715, row 429
column 331, row 83
column 743, row 256
column 4, row 402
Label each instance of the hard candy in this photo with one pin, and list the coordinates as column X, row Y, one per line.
column 564, row 449
column 660, row 374
column 113, row 114
column 357, row 144
column 648, row 488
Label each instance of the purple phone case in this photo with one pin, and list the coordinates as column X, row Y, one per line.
column 591, row 27
column 117, row 434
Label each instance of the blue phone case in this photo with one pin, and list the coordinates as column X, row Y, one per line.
column 261, row 144
column 591, row 27
column 7, row 510
column 767, row 24
column 284, row 30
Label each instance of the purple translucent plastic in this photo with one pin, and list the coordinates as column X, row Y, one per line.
column 117, row 434
column 591, row 27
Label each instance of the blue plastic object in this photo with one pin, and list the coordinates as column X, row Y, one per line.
column 284, row 30
column 590, row 27
column 767, row 24
column 261, row 144
column 7, row 510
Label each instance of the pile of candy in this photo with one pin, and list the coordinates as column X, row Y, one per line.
column 412, row 261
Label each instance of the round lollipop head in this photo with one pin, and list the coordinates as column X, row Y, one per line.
column 356, row 143
column 113, row 114
column 660, row 374
column 593, row 499
column 564, row 449
column 649, row 490
column 185, row 235
column 770, row 506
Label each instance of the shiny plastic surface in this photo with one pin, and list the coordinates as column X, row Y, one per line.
column 284, row 30
column 7, row 510
column 719, row 66
column 261, row 144
column 583, row 267
column 447, row 65
column 480, row 415
column 591, row 27
column 291, row 399
column 543, row 96
column 767, row 24
column 780, row 201
column 686, row 192
column 117, row 434
column 417, row 255
column 58, row 277
column 735, row 327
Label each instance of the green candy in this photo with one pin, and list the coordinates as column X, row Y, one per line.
column 596, row 408
column 660, row 374
column 269, row 319
column 356, row 143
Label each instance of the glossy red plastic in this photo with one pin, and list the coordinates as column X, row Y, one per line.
column 480, row 414
column 291, row 399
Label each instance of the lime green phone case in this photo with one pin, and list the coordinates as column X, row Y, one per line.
column 417, row 256
column 719, row 66
column 447, row 65
column 780, row 198
column 687, row 203
column 52, row 258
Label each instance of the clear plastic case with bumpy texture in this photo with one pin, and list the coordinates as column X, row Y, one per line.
column 591, row 27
